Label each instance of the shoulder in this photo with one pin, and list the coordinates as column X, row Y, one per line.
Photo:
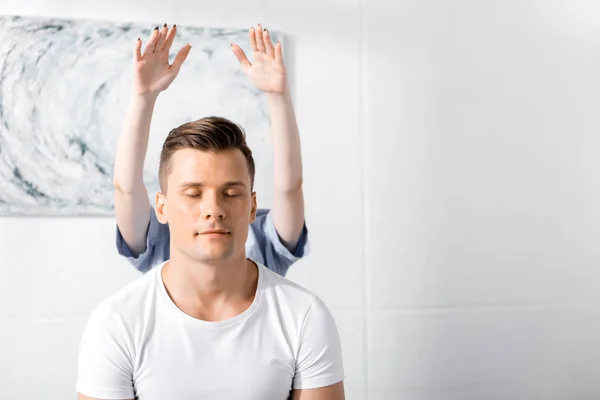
column 283, row 286
column 261, row 217
column 292, row 299
column 156, row 249
column 262, row 212
column 259, row 228
column 127, row 305
column 308, row 322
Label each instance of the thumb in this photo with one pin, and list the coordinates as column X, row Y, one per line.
column 241, row 56
column 137, row 53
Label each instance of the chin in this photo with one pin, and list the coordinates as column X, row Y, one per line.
column 214, row 256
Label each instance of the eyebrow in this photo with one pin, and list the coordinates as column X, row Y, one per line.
column 201, row 185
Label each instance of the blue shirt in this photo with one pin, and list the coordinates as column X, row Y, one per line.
column 263, row 245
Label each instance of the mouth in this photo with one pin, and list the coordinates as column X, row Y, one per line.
column 214, row 232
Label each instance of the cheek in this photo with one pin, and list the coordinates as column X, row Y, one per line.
column 192, row 212
column 238, row 213
column 182, row 209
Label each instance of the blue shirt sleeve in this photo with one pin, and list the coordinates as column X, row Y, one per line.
column 275, row 255
column 157, row 249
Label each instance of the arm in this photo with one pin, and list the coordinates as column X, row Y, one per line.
column 268, row 74
column 132, row 207
column 288, row 199
column 333, row 392
column 319, row 371
column 82, row 397
column 152, row 75
column 105, row 359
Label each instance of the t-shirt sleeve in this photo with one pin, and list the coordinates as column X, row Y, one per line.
column 319, row 361
column 105, row 367
column 157, row 246
column 278, row 258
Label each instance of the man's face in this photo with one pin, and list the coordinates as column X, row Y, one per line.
column 208, row 204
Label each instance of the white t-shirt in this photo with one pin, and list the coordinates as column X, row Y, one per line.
column 139, row 344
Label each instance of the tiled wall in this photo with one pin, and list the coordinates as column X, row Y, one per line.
column 452, row 192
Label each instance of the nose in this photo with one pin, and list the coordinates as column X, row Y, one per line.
column 211, row 207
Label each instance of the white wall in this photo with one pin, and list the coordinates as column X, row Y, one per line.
column 451, row 177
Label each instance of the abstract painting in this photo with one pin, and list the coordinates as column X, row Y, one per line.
column 65, row 87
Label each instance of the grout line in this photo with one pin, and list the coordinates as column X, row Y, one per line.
column 364, row 199
column 457, row 308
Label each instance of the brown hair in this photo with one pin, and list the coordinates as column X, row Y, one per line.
column 212, row 134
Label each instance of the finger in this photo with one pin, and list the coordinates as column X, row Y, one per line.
column 260, row 44
column 137, row 53
column 278, row 53
column 252, row 37
column 180, row 57
column 163, row 36
column 152, row 41
column 241, row 56
column 268, row 43
column 170, row 37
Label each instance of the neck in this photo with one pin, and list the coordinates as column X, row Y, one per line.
column 210, row 290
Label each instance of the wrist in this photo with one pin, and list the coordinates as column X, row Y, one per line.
column 144, row 98
column 274, row 97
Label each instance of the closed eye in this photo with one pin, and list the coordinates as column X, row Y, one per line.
column 231, row 192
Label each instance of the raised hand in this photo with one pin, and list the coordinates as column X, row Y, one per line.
column 152, row 71
column 267, row 71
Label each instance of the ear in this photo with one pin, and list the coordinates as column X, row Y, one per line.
column 254, row 208
column 160, row 208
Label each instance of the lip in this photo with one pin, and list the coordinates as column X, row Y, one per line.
column 214, row 232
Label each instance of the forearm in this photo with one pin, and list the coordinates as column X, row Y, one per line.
column 333, row 392
column 288, row 199
column 133, row 145
column 286, row 142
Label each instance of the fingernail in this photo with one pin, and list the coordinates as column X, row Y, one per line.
column 165, row 25
column 139, row 39
column 174, row 25
column 266, row 30
column 156, row 28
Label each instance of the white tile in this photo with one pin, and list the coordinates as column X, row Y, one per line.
column 59, row 267
column 351, row 326
column 574, row 353
column 463, row 354
column 39, row 358
column 315, row 5
column 479, row 177
column 326, row 78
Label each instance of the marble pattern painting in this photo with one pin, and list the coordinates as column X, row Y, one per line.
column 64, row 89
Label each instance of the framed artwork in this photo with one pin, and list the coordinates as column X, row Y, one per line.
column 65, row 86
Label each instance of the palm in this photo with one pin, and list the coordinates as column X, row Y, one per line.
column 266, row 71
column 152, row 71
column 266, row 74
column 152, row 76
